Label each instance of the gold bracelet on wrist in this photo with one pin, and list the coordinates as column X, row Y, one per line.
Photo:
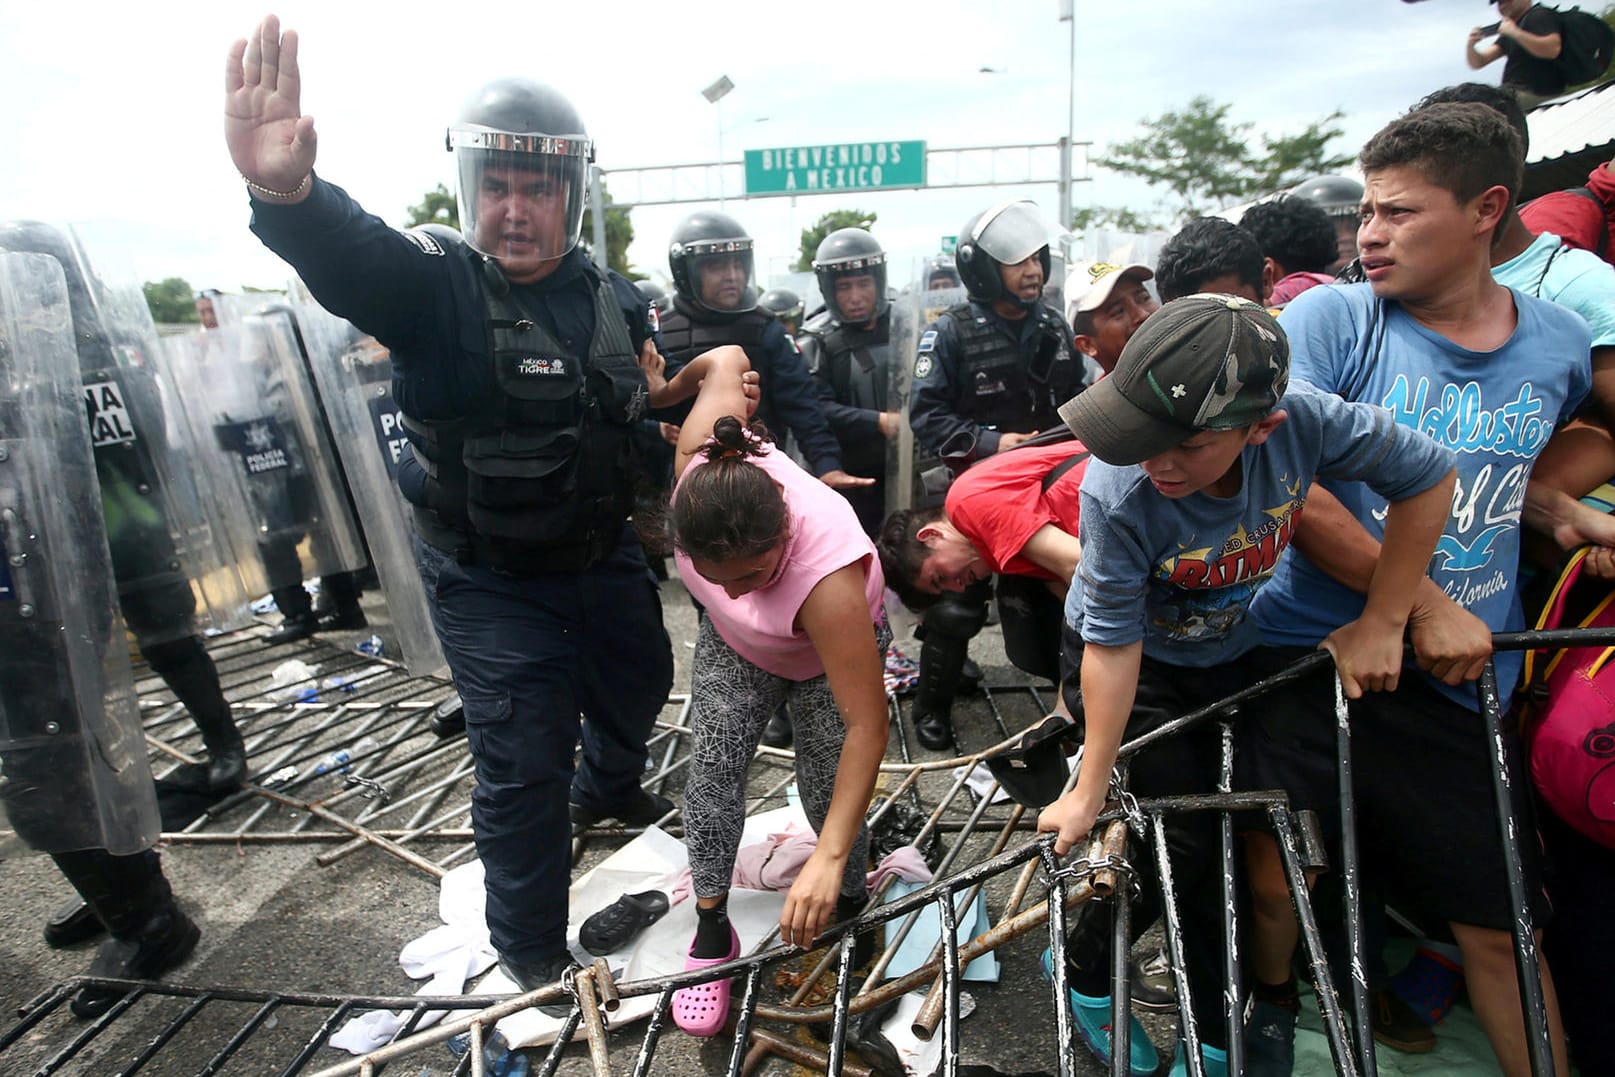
column 261, row 191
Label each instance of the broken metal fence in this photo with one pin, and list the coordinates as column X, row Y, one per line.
column 413, row 788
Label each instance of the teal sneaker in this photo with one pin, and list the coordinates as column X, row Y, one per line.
column 1214, row 1060
column 1093, row 1027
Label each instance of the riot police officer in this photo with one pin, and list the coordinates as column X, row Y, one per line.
column 128, row 437
column 516, row 364
column 846, row 347
column 76, row 780
column 989, row 373
column 714, row 303
column 785, row 305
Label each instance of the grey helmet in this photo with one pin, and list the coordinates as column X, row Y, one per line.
column 851, row 252
column 1004, row 234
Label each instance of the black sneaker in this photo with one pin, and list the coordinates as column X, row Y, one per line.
column 641, row 809
column 533, row 975
column 1152, row 982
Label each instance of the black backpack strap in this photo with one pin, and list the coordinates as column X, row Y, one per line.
column 1058, row 471
column 1374, row 338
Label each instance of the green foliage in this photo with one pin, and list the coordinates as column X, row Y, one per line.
column 1207, row 162
column 437, row 206
column 619, row 234
column 172, row 301
column 830, row 222
column 1121, row 218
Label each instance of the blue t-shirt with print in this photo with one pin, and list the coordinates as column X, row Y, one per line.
column 1569, row 277
column 1178, row 574
column 1495, row 410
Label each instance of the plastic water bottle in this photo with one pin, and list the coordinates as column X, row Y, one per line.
column 498, row 1060
column 341, row 760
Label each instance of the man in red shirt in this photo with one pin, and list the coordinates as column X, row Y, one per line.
column 1013, row 515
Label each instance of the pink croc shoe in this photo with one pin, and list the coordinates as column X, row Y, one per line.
column 701, row 1010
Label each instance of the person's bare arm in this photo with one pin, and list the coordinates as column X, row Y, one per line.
column 1542, row 46
column 1368, row 651
column 1478, row 55
column 1109, row 686
column 1449, row 642
column 836, row 618
column 1054, row 550
column 717, row 378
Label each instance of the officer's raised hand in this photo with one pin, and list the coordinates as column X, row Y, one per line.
column 271, row 141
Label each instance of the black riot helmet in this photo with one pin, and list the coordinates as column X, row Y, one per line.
column 523, row 159
column 95, row 344
column 783, row 304
column 941, row 274
column 845, row 253
column 1003, row 235
column 710, row 257
column 1340, row 196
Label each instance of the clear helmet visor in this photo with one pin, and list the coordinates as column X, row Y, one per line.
column 855, row 294
column 722, row 275
column 1011, row 232
column 521, row 196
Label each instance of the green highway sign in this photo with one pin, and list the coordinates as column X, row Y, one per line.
column 849, row 166
column 950, row 244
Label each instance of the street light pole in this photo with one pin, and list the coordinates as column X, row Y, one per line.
column 1068, row 143
column 714, row 94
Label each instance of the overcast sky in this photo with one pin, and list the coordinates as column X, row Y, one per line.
column 113, row 111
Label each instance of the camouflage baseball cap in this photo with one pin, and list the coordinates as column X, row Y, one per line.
column 1203, row 362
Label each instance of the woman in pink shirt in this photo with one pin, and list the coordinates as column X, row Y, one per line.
column 791, row 594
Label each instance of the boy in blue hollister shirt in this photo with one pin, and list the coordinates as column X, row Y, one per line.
column 1197, row 479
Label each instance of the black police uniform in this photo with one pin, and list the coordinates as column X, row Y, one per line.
column 851, row 366
column 520, row 401
column 978, row 376
column 789, row 400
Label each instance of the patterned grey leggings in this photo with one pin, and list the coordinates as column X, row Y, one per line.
column 731, row 700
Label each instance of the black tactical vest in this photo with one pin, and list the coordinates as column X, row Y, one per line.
column 857, row 365
column 684, row 338
column 540, row 481
column 998, row 387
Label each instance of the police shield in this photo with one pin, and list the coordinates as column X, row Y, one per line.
column 354, row 376
column 73, row 767
column 255, row 427
column 919, row 478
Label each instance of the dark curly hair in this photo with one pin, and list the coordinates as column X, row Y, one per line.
column 902, row 554
column 730, row 508
column 1203, row 250
column 1297, row 233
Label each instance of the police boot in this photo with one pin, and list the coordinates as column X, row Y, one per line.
column 777, row 732
column 338, row 609
column 150, row 932
column 944, row 649
column 448, row 719
column 297, row 612
column 185, row 667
